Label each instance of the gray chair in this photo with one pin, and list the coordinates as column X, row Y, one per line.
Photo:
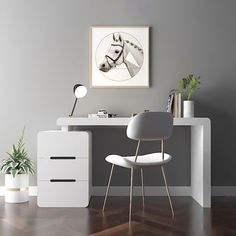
column 148, row 126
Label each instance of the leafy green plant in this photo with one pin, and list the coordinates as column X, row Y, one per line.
column 189, row 85
column 18, row 161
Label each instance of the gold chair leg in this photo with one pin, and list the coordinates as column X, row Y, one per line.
column 167, row 190
column 141, row 170
column 108, row 187
column 131, row 193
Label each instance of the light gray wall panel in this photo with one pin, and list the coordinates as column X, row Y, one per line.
column 44, row 52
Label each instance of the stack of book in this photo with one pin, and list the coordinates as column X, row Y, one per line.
column 102, row 113
column 174, row 104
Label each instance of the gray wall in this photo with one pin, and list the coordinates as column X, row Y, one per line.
column 44, row 52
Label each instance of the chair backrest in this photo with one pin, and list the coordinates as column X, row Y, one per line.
column 150, row 126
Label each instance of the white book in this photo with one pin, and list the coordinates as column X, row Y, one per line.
column 176, row 105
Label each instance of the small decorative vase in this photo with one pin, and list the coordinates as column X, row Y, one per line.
column 16, row 189
column 188, row 109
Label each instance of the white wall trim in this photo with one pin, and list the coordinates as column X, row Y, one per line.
column 149, row 191
column 32, row 190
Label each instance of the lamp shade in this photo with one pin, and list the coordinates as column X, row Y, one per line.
column 79, row 90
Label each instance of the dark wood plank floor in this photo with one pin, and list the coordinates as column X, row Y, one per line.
column 190, row 219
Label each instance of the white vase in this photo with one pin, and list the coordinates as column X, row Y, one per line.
column 188, row 108
column 16, row 189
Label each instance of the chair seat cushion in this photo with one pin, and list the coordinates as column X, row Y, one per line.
column 151, row 159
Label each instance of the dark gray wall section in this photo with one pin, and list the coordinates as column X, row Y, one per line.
column 114, row 141
column 44, row 52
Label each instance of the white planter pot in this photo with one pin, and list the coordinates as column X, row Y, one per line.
column 188, row 109
column 16, row 189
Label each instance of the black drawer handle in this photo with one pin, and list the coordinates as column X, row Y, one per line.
column 62, row 158
column 62, row 180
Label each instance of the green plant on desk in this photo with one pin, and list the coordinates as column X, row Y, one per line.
column 189, row 85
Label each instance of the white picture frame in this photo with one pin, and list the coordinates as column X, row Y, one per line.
column 119, row 57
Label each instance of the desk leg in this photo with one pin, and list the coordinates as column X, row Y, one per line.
column 201, row 164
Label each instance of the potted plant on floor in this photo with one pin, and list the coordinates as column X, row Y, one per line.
column 17, row 167
column 188, row 87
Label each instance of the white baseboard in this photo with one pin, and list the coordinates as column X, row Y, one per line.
column 149, row 191
column 32, row 191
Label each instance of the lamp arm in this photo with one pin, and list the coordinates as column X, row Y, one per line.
column 73, row 107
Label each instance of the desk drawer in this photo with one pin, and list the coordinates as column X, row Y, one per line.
column 63, row 194
column 63, row 169
column 59, row 143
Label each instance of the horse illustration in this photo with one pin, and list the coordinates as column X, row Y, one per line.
column 123, row 51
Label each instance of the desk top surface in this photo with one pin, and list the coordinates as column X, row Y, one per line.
column 123, row 121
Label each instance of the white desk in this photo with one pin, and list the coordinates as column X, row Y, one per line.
column 200, row 148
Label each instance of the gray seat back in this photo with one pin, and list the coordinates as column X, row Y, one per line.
column 150, row 126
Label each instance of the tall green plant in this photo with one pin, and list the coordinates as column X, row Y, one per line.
column 18, row 161
column 189, row 85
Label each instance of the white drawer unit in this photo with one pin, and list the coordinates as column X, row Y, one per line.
column 61, row 143
column 64, row 168
column 55, row 169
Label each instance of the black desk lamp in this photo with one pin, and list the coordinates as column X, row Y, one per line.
column 79, row 91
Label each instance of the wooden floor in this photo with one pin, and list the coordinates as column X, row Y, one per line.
column 190, row 219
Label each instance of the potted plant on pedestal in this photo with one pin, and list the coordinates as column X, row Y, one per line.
column 17, row 167
column 188, row 86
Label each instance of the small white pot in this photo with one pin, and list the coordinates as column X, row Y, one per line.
column 16, row 189
column 188, row 108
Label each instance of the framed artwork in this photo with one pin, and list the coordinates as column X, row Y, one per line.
column 119, row 57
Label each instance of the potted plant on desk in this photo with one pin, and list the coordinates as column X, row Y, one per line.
column 17, row 167
column 188, row 86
